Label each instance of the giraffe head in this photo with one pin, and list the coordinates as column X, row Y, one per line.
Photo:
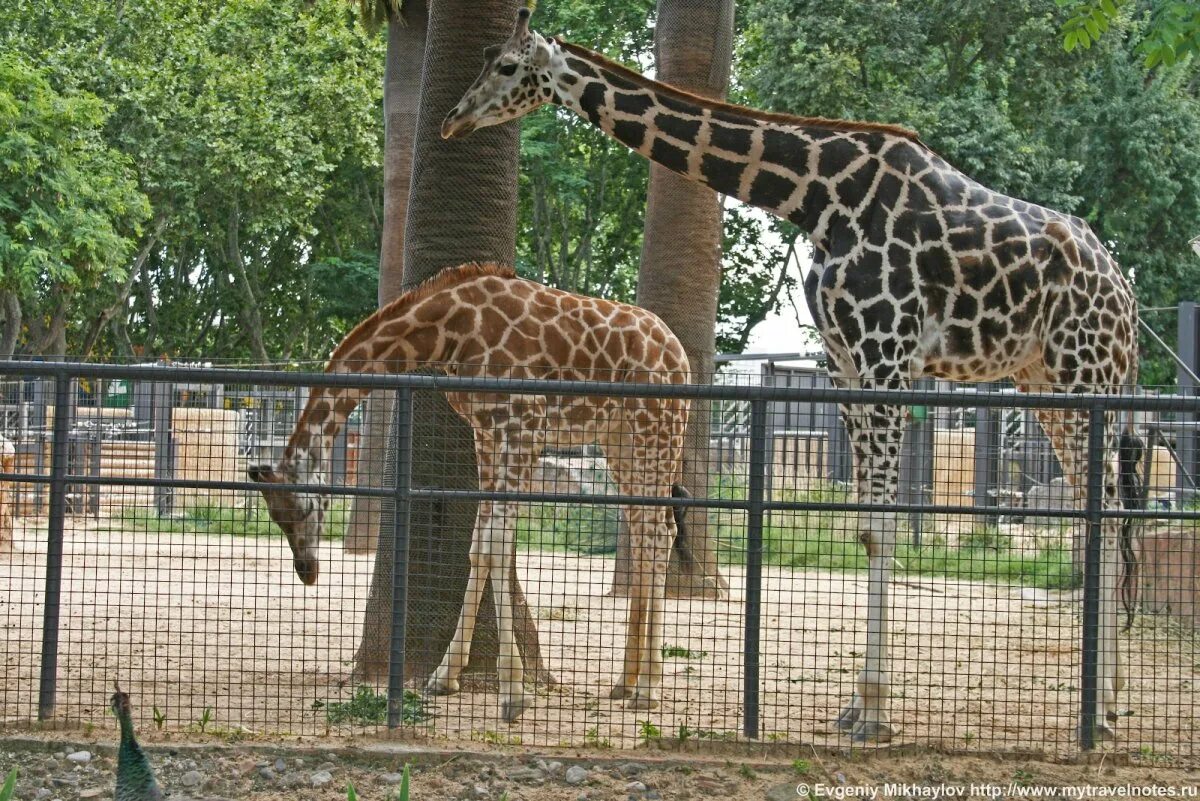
column 301, row 515
column 515, row 80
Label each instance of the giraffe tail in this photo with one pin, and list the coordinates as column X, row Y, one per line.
column 683, row 544
column 1130, row 448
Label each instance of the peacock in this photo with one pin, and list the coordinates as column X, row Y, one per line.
column 135, row 777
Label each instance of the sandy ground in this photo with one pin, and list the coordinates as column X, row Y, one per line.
column 190, row 623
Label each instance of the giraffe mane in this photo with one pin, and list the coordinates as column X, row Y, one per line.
column 732, row 108
column 449, row 277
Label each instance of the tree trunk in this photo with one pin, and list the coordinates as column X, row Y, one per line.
column 401, row 91
column 680, row 274
column 11, row 331
column 462, row 207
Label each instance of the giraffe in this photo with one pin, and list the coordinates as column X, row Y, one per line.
column 481, row 320
column 918, row 270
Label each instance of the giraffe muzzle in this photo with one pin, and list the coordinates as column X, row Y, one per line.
column 456, row 126
column 307, row 570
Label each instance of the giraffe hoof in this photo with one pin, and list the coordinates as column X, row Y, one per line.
column 620, row 691
column 512, row 709
column 439, row 685
column 872, row 731
column 846, row 720
column 641, row 702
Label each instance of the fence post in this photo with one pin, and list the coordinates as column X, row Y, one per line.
column 1091, row 578
column 754, row 536
column 48, row 683
column 403, row 434
column 162, row 395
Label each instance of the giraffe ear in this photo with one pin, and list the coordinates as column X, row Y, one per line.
column 262, row 473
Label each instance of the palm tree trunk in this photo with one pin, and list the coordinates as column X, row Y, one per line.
column 680, row 275
column 462, row 207
column 401, row 88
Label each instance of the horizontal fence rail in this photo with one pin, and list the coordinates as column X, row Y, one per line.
column 784, row 610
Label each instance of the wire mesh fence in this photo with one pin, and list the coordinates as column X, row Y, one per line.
column 503, row 567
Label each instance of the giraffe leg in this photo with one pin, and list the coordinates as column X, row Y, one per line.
column 444, row 680
column 647, row 464
column 654, row 566
column 634, row 624
column 1068, row 433
column 513, row 700
column 875, row 433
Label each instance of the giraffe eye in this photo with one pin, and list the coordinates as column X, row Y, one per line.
column 508, row 69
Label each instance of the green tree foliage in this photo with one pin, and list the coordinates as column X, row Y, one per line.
column 1170, row 35
column 254, row 130
column 69, row 205
column 989, row 86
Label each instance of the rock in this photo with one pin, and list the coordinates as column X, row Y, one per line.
column 42, row 793
column 266, row 773
column 575, row 775
column 783, row 792
column 631, row 768
column 79, row 757
column 280, row 765
column 549, row 768
column 91, row 792
column 320, row 778
column 841, row 777
column 193, row 778
column 392, row 778
column 292, row 780
column 66, row 780
column 636, row 787
column 529, row 775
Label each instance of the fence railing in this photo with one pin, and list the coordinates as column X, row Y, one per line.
column 756, row 505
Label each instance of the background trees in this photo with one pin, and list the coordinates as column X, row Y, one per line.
column 254, row 133
column 990, row 87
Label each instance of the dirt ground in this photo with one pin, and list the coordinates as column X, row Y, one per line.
column 52, row 768
column 217, row 634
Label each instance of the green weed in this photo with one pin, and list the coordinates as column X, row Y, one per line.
column 369, row 708
column 10, row 786
column 649, row 732
column 678, row 651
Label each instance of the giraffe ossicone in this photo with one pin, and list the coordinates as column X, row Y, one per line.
column 481, row 320
column 918, row 270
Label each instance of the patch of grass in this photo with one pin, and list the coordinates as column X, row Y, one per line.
column 678, row 651
column 827, row 540
column 369, row 708
column 567, row 614
column 569, row 527
column 221, row 520
column 801, row 766
column 495, row 738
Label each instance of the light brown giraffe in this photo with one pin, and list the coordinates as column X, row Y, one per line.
column 481, row 320
column 917, row 270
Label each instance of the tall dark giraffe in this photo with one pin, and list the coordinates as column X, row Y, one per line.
column 918, row 271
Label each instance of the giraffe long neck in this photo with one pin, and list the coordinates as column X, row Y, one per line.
column 795, row 171
column 398, row 338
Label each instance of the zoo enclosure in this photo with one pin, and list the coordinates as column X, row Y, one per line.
column 757, row 505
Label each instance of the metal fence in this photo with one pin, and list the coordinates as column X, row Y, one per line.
column 995, row 620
